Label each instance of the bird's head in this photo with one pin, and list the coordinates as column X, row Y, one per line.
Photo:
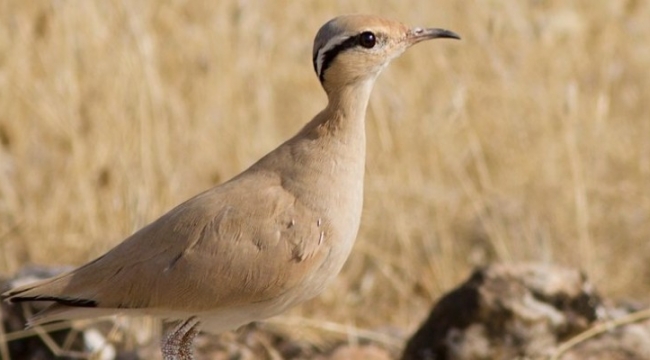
column 355, row 48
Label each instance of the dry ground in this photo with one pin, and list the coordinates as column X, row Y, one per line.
column 527, row 140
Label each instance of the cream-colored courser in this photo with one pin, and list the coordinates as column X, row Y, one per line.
column 268, row 239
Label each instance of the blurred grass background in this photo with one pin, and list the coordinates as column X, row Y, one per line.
column 529, row 140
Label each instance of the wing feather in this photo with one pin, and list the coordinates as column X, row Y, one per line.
column 206, row 253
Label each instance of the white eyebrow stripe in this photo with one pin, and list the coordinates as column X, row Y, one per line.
column 334, row 42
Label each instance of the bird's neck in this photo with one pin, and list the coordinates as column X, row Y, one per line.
column 334, row 142
column 349, row 102
column 331, row 148
column 344, row 116
column 334, row 137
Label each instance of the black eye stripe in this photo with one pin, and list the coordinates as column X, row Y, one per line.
column 330, row 54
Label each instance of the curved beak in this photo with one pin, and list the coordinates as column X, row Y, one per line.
column 419, row 34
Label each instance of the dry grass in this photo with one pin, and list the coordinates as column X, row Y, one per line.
column 528, row 140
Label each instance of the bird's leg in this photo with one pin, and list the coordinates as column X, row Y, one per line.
column 187, row 342
column 177, row 345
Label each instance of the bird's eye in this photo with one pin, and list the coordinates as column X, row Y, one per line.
column 367, row 40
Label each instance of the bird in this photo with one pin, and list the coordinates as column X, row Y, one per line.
column 264, row 241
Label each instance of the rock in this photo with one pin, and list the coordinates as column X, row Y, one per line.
column 630, row 341
column 507, row 312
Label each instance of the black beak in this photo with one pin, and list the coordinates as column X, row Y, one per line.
column 419, row 34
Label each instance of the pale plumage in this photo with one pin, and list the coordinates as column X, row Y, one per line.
column 264, row 241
